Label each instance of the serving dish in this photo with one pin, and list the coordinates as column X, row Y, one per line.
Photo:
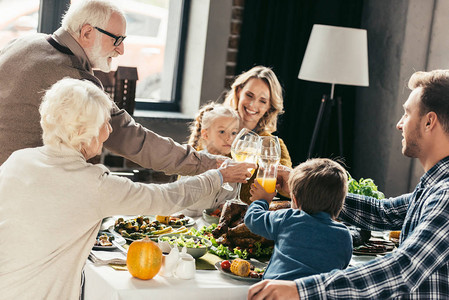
column 256, row 264
column 138, row 227
column 178, row 239
column 211, row 219
column 374, row 247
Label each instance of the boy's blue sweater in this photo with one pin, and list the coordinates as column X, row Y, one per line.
column 304, row 244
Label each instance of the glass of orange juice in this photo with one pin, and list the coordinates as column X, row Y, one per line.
column 266, row 176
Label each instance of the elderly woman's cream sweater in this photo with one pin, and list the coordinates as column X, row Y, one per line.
column 51, row 206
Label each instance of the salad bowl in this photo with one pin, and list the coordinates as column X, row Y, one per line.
column 196, row 246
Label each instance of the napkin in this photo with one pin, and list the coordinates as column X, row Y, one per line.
column 207, row 261
column 107, row 257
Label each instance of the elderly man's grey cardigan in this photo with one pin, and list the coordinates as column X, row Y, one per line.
column 31, row 64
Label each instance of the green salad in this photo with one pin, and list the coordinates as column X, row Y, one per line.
column 183, row 240
column 364, row 187
column 225, row 252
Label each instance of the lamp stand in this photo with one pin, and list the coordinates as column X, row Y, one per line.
column 323, row 118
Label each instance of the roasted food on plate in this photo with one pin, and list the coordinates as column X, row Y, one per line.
column 140, row 227
column 240, row 267
column 231, row 230
column 104, row 240
column 374, row 247
column 243, row 268
column 393, row 236
column 179, row 220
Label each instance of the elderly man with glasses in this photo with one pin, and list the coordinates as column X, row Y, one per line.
column 91, row 34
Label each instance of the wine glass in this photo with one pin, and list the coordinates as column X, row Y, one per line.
column 245, row 148
column 270, row 150
column 226, row 185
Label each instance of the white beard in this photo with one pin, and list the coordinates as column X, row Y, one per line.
column 98, row 60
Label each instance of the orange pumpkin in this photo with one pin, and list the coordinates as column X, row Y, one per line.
column 144, row 259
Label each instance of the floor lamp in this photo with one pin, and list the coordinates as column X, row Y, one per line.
column 335, row 55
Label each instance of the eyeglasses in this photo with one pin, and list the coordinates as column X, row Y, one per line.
column 118, row 39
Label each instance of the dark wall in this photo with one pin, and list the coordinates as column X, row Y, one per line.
column 275, row 34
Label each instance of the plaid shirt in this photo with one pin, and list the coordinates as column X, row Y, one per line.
column 418, row 268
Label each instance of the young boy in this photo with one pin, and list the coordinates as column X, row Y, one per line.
column 307, row 238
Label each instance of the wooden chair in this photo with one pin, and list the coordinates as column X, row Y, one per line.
column 121, row 86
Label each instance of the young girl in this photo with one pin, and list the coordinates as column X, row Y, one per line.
column 213, row 131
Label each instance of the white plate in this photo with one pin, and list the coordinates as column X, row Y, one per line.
column 105, row 248
column 190, row 222
column 256, row 264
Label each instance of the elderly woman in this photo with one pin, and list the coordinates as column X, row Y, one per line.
column 257, row 96
column 52, row 201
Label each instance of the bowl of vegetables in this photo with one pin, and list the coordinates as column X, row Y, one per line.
column 196, row 246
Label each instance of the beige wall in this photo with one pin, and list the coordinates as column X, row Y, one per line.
column 404, row 36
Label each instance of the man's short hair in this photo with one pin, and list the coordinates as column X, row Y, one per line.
column 319, row 185
column 94, row 12
column 435, row 94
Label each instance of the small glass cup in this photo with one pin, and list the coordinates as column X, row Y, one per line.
column 266, row 176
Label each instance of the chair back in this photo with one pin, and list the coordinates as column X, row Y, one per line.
column 121, row 86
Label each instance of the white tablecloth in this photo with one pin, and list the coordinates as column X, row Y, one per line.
column 103, row 282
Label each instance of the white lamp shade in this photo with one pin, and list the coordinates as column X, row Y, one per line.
column 337, row 55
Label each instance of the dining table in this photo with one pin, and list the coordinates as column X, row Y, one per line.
column 101, row 281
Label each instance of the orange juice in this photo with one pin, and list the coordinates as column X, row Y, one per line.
column 269, row 184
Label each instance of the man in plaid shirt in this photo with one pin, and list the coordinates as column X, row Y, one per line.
column 419, row 268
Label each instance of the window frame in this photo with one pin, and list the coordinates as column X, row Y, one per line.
column 175, row 104
column 50, row 16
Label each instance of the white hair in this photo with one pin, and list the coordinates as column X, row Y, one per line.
column 94, row 12
column 72, row 113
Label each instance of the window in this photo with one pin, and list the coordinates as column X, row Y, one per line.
column 17, row 18
column 154, row 42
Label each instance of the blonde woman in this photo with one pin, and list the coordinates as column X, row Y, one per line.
column 257, row 97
